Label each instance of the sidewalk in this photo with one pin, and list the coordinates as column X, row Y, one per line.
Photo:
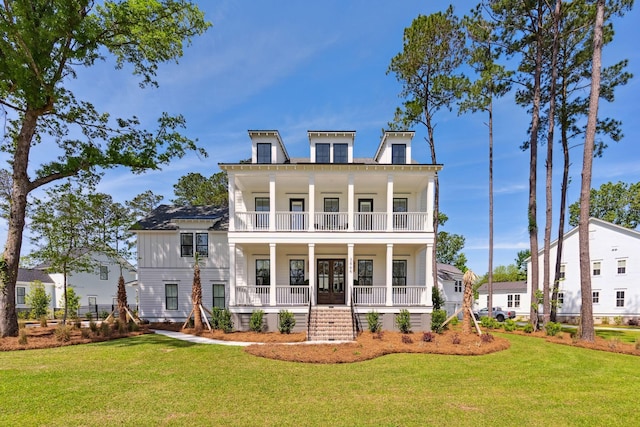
column 198, row 340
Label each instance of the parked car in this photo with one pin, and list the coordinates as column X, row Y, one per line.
column 498, row 313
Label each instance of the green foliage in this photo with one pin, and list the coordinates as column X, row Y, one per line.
column 528, row 328
column 216, row 313
column 510, row 325
column 437, row 298
column 225, row 322
column 618, row 320
column 616, row 203
column 72, row 303
column 43, row 321
column 194, row 189
column 255, row 322
column 93, row 326
column 448, row 250
column 38, row 299
column 105, row 329
column 501, row 273
column 286, row 321
column 553, row 328
column 489, row 322
column 23, row 339
column 437, row 319
column 373, row 321
column 403, row 321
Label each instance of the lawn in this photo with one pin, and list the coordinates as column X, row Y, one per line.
column 153, row 380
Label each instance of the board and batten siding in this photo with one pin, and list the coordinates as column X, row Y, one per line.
column 162, row 250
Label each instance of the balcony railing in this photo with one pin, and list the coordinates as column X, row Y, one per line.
column 292, row 295
column 377, row 295
column 253, row 295
column 369, row 295
column 332, row 221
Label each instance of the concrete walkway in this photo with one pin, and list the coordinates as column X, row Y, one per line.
column 202, row 340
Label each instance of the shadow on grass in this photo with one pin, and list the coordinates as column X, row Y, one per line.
column 147, row 339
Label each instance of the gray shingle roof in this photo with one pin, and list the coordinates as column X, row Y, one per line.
column 449, row 272
column 164, row 217
column 519, row 287
column 28, row 275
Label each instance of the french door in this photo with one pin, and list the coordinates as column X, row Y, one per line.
column 331, row 281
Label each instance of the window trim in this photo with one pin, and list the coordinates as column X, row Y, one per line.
column 340, row 159
column 620, row 296
column 623, row 267
column 396, row 159
column 167, row 297
column 596, row 272
column 595, row 297
column 104, row 272
column 267, row 270
column 186, row 249
column 292, row 279
column 363, row 274
column 394, row 277
column 326, row 159
column 563, row 272
column 199, row 247
column 213, row 292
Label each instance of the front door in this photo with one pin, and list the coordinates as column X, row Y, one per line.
column 331, row 280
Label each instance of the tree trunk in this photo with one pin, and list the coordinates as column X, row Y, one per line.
column 122, row 300
column 11, row 256
column 490, row 274
column 467, row 301
column 533, row 165
column 546, row 303
column 586, row 311
column 196, row 297
column 436, row 201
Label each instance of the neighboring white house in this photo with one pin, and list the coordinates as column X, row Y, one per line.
column 615, row 272
column 451, row 287
column 508, row 296
column 97, row 289
column 24, row 282
column 301, row 234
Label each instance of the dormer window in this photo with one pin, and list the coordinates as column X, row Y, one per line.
column 264, row 153
column 340, row 153
column 398, row 154
column 323, row 153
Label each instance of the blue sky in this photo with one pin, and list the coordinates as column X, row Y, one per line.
column 321, row 65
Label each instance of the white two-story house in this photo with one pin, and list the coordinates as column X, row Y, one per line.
column 300, row 234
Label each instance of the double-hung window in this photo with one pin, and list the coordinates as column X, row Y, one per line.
column 622, row 266
column 340, row 153
column 171, row 296
column 262, row 212
column 218, row 295
column 619, row 298
column 187, row 244
column 595, row 296
column 264, row 153
column 457, row 287
column 365, row 272
column 596, row 268
column 399, row 272
column 296, row 272
column 104, row 272
column 398, row 154
column 323, row 153
column 400, row 213
column 20, row 295
column 263, row 275
column 562, row 271
column 202, row 244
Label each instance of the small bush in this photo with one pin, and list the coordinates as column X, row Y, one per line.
column 403, row 321
column 406, row 339
column 373, row 321
column 255, row 323
column 428, row 337
column 437, row 319
column 93, row 326
column 43, row 321
column 225, row 322
column 454, row 321
column 77, row 323
column 455, row 339
column 88, row 315
column 605, row 320
column 104, row 314
column 63, row 333
column 486, row 338
column 116, row 325
column 489, row 322
column 85, row 333
column 58, row 314
column 528, row 328
column 286, row 321
column 618, row 320
column 105, row 329
column 22, row 337
column 216, row 312
column 510, row 325
column 553, row 328
column 633, row 322
column 133, row 326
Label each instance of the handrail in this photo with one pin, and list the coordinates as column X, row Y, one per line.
column 354, row 319
column 309, row 320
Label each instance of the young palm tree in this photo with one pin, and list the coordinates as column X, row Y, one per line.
column 196, row 297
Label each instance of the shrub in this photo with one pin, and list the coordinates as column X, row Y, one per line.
column 553, row 328
column 88, row 315
column 43, row 321
column 617, row 320
column 255, row 323
column 633, row 322
column 406, row 339
column 225, row 322
column 286, row 321
column 38, row 299
column 93, row 326
column 605, row 320
column 22, row 337
column 437, row 319
column 403, row 321
column 486, row 338
column 85, row 333
column 104, row 314
column 133, row 326
column 63, row 333
column 216, row 312
column 105, row 329
column 77, row 323
column 428, row 337
column 528, row 328
column 489, row 322
column 455, row 339
column 373, row 321
column 23, row 315
column 510, row 325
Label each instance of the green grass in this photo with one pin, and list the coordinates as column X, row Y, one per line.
column 154, row 380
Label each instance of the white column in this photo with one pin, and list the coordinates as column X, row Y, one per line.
column 431, row 188
column 389, row 202
column 272, row 274
column 429, row 274
column 272, row 202
column 312, row 202
column 350, row 203
column 312, row 273
column 349, row 287
column 232, row 274
column 389, row 278
column 232, row 201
